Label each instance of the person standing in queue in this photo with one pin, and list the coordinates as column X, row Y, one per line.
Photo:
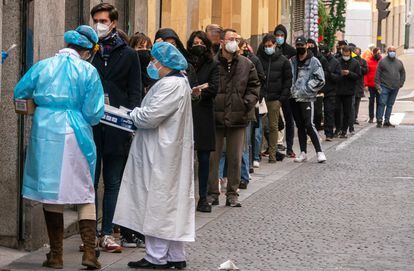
column 276, row 88
column 199, row 47
column 237, row 95
column 308, row 79
column 288, row 51
column 157, row 190
column 369, row 81
column 119, row 68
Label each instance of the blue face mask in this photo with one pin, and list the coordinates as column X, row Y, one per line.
column 280, row 40
column 392, row 54
column 269, row 50
column 153, row 71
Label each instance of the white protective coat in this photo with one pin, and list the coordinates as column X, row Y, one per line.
column 156, row 197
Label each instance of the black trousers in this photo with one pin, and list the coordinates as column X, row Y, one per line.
column 303, row 116
column 318, row 113
column 329, row 115
column 343, row 112
column 373, row 101
column 289, row 124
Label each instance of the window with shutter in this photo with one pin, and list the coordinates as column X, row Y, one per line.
column 298, row 20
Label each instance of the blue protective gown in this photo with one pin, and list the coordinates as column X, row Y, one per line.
column 68, row 92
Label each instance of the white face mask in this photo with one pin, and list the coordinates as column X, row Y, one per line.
column 102, row 30
column 232, row 47
column 346, row 58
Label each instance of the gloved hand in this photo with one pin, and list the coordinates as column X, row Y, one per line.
column 4, row 55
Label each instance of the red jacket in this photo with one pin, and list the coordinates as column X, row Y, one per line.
column 369, row 78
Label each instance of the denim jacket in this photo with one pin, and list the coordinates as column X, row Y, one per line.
column 307, row 80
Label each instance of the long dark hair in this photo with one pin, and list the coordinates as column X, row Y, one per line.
column 208, row 55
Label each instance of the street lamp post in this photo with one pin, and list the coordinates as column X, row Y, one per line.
column 383, row 13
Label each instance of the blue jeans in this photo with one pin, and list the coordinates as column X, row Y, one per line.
column 246, row 156
column 258, row 139
column 387, row 99
column 223, row 166
column 113, row 169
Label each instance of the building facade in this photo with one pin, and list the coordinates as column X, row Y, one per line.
column 37, row 27
column 359, row 20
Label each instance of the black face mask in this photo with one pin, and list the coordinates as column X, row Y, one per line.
column 246, row 53
column 144, row 57
column 198, row 50
column 301, row 50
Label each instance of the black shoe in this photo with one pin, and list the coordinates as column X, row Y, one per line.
column 243, row 185
column 144, row 264
column 356, row 122
column 336, row 134
column 251, row 170
column 371, row 121
column 280, row 156
column 379, row 124
column 203, row 206
column 177, row 265
column 387, row 124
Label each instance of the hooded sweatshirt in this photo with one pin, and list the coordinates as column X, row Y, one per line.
column 168, row 33
column 287, row 50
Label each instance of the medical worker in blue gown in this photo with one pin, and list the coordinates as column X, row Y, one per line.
column 61, row 155
column 157, row 190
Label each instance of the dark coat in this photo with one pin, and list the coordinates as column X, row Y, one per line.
column 259, row 69
column 360, row 83
column 347, row 83
column 278, row 76
column 203, row 109
column 168, row 33
column 238, row 91
column 121, row 79
column 332, row 77
column 287, row 50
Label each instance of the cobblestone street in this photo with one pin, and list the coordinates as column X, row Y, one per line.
column 353, row 213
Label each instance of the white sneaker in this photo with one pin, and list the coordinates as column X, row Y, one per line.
column 109, row 245
column 256, row 164
column 301, row 158
column 321, row 157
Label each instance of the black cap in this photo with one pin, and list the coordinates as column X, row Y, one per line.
column 324, row 49
column 342, row 42
column 301, row 40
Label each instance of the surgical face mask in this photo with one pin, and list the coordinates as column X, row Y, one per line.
column 232, row 47
column 269, row 50
column 392, row 54
column 346, row 58
column 153, row 71
column 102, row 30
column 280, row 40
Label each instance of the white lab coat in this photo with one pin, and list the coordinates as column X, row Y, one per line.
column 156, row 197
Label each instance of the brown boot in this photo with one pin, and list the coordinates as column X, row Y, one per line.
column 54, row 223
column 87, row 230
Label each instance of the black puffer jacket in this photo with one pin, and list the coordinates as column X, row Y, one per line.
column 347, row 83
column 168, row 33
column 333, row 77
column 360, row 83
column 278, row 75
column 287, row 50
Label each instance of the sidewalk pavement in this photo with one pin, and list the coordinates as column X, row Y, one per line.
column 263, row 177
